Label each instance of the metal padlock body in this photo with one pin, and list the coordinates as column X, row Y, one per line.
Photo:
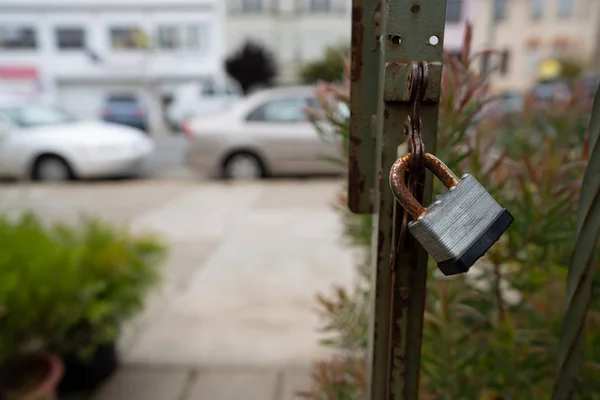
column 461, row 225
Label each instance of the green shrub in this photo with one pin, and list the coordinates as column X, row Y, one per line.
column 492, row 333
column 329, row 69
column 67, row 289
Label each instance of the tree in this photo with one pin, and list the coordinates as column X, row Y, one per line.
column 251, row 66
column 330, row 68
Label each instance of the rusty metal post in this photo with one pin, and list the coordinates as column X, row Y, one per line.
column 409, row 31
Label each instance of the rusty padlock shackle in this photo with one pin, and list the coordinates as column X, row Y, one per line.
column 398, row 174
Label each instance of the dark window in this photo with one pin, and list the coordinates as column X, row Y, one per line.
column 127, row 38
column 320, row 5
column 208, row 89
column 565, row 8
column 169, row 37
column 499, row 10
column 485, row 63
column 181, row 37
column 504, row 62
column 18, row 37
column 251, row 5
column 454, row 10
column 536, row 8
column 280, row 111
column 70, row 38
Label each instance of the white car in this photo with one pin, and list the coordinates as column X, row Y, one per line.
column 200, row 98
column 266, row 133
column 42, row 142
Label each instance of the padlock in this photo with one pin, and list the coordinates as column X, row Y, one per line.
column 461, row 225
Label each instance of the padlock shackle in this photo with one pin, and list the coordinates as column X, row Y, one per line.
column 398, row 175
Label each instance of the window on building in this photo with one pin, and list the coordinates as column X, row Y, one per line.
column 128, row 38
column 504, row 62
column 536, row 8
column 565, row 8
column 181, row 37
column 195, row 36
column 454, row 10
column 70, row 38
column 169, row 37
column 320, row 5
column 252, row 5
column 18, row 37
column 485, row 63
column 499, row 10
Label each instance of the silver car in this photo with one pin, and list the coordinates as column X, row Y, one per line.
column 266, row 133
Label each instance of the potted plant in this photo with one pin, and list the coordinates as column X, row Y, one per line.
column 64, row 291
column 122, row 269
column 40, row 297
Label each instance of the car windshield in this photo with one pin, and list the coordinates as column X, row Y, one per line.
column 38, row 115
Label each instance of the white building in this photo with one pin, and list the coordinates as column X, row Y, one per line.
column 299, row 31
column 77, row 51
column 528, row 32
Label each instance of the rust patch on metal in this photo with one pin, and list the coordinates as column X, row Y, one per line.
column 415, row 8
column 357, row 40
column 402, row 193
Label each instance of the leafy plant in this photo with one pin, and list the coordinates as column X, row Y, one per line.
column 329, row 69
column 491, row 333
column 67, row 289
column 251, row 66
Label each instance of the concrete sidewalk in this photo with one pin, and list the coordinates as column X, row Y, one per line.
column 236, row 316
column 168, row 383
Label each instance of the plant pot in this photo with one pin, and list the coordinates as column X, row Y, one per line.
column 86, row 375
column 30, row 377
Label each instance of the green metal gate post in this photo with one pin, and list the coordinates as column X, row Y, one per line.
column 400, row 32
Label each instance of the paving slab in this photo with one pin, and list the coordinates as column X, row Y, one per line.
column 252, row 302
column 132, row 383
column 227, row 385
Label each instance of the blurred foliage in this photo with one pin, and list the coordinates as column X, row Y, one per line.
column 253, row 65
column 491, row 333
column 329, row 68
column 67, row 289
column 571, row 69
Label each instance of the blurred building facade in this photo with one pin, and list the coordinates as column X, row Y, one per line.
column 299, row 31
column 528, row 34
column 77, row 51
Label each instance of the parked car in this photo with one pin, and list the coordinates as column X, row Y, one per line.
column 201, row 98
column 266, row 133
column 127, row 109
column 42, row 142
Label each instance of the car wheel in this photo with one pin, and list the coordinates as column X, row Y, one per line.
column 243, row 166
column 51, row 168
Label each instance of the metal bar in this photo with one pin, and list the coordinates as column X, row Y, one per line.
column 366, row 61
column 400, row 282
column 582, row 269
